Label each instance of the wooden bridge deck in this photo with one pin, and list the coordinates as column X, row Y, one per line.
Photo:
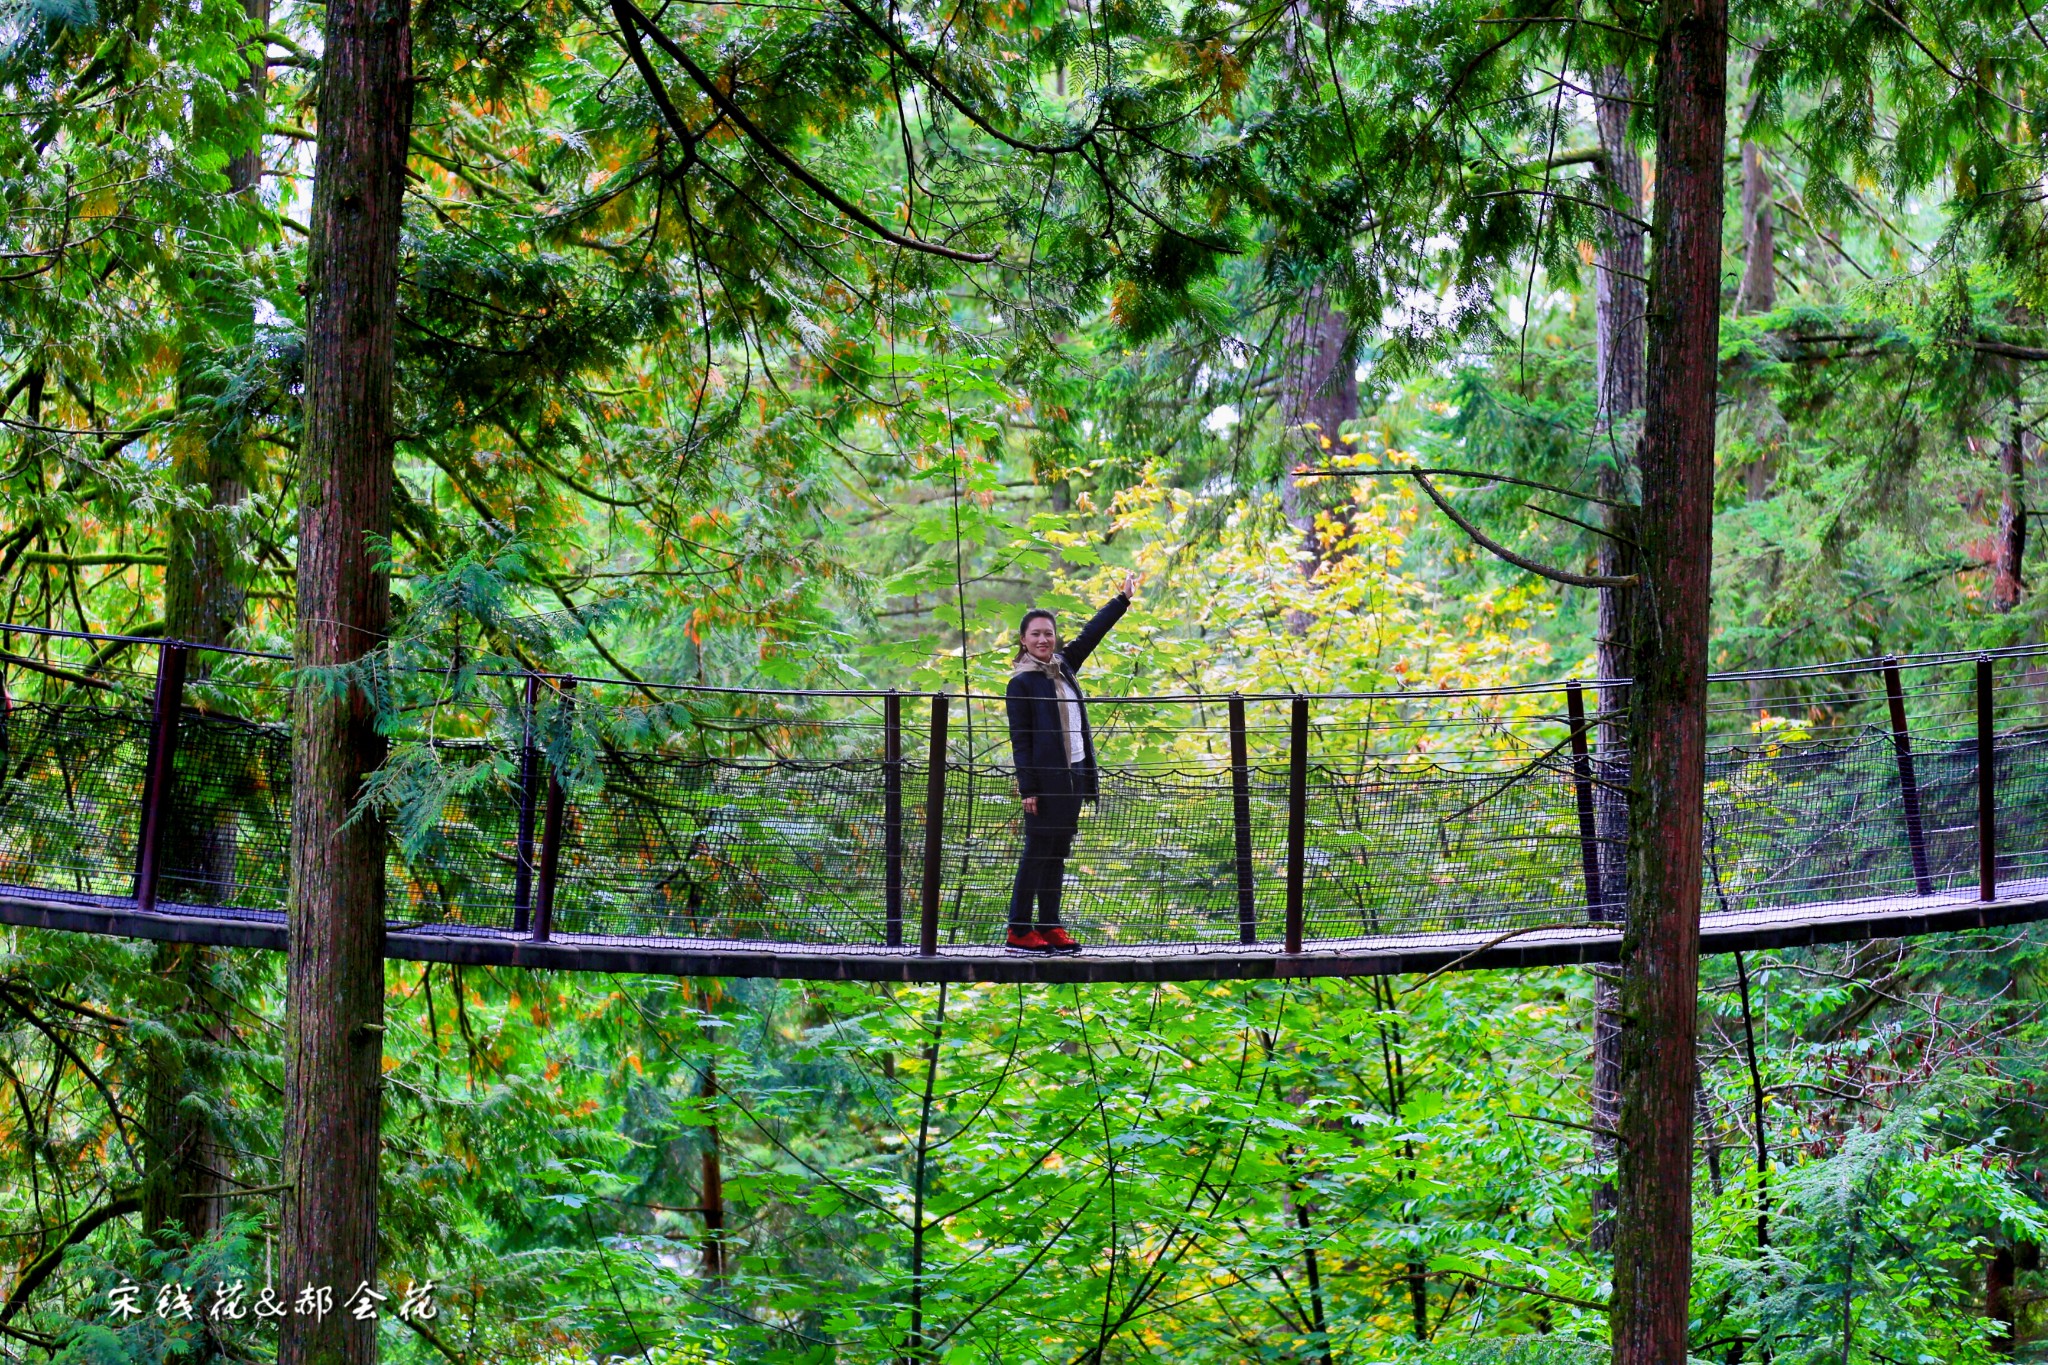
column 2018, row 902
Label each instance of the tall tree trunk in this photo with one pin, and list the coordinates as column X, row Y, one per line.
column 713, row 1200
column 335, row 967
column 203, row 603
column 1618, row 270
column 1319, row 395
column 185, row 1182
column 1998, row 1284
column 1758, row 292
column 1319, row 379
column 1318, row 1321
column 2009, row 561
column 1618, row 336
column 914, row 1347
column 1667, row 714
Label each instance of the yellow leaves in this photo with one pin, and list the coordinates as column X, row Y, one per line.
column 1124, row 300
column 1216, row 61
column 1261, row 609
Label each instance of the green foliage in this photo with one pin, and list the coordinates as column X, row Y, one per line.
column 668, row 410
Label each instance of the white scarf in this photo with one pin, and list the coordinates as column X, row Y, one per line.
column 1066, row 700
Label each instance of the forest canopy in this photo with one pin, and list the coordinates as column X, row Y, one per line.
column 805, row 345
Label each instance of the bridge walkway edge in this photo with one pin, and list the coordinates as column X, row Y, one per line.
column 2019, row 902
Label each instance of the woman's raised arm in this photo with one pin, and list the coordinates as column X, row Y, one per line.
column 1082, row 645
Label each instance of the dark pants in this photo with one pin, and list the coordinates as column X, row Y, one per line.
column 1042, row 871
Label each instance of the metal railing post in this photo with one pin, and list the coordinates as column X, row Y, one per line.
column 934, row 831
column 1241, row 823
column 1987, row 784
column 551, row 837
column 1297, row 820
column 892, row 818
column 1909, row 782
column 529, row 781
column 158, row 770
column 1582, row 788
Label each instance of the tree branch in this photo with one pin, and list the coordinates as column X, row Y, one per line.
column 51, row 670
column 2008, row 349
column 631, row 17
column 46, row 1264
column 895, row 44
column 1500, row 551
column 91, row 561
column 1518, row 1289
column 1459, row 474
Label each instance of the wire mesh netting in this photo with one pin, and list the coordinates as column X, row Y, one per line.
column 71, row 802
column 805, row 818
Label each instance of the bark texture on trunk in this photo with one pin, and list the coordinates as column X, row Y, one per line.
column 1618, row 268
column 1616, row 660
column 1998, row 1284
column 2009, row 561
column 203, row 603
column 187, row 1177
column 1618, row 337
column 186, row 1180
column 713, row 1200
column 1319, row 379
column 335, row 997
column 1758, row 292
column 1319, row 395
column 203, row 594
column 1667, row 713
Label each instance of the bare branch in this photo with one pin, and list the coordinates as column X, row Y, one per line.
column 46, row 1264
column 631, row 17
column 1500, row 551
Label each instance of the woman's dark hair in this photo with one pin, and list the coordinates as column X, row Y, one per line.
column 1034, row 614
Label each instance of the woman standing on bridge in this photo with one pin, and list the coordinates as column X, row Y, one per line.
column 1055, row 758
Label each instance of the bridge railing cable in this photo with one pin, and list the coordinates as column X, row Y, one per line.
column 548, row 807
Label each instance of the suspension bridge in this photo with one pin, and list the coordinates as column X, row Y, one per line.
column 604, row 825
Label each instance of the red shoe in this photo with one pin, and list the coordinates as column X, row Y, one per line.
column 1030, row 940
column 1056, row 939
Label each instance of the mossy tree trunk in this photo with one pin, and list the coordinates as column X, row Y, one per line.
column 1667, row 713
column 335, row 1003
column 1618, row 266
column 203, row 603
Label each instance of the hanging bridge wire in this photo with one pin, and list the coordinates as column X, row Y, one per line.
column 959, row 474
column 1839, row 669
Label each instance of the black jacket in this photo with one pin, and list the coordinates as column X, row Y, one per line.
column 1037, row 744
